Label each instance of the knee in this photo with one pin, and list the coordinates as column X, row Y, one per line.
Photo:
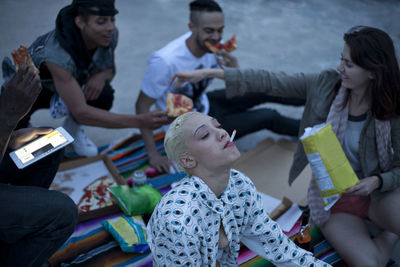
column 108, row 101
column 269, row 117
column 65, row 211
column 105, row 99
column 269, row 114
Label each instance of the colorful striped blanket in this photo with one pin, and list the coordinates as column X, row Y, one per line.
column 91, row 245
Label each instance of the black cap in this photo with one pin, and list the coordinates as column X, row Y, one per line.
column 105, row 7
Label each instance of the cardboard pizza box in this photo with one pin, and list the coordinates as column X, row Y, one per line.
column 268, row 164
column 78, row 174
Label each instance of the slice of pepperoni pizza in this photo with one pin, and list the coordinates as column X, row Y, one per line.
column 22, row 56
column 178, row 104
column 228, row 46
column 213, row 48
column 96, row 194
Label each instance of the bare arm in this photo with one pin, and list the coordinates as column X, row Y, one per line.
column 69, row 90
column 158, row 161
column 194, row 76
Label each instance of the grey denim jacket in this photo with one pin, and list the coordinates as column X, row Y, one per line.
column 47, row 48
column 318, row 90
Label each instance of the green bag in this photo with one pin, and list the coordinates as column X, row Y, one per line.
column 136, row 200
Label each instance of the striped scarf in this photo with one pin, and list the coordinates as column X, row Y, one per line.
column 337, row 117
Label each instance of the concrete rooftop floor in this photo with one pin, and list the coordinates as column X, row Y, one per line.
column 290, row 36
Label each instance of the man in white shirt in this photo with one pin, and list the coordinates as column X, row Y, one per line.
column 188, row 52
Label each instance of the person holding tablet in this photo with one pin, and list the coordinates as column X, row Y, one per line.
column 35, row 221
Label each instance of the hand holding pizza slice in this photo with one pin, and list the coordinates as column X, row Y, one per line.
column 178, row 104
column 228, row 46
column 22, row 56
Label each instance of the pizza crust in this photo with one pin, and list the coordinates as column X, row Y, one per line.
column 22, row 56
column 228, row 46
column 211, row 47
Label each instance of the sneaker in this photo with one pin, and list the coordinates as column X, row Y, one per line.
column 82, row 145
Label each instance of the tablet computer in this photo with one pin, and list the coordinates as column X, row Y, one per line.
column 41, row 147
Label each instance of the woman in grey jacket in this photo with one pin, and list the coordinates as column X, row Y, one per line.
column 362, row 102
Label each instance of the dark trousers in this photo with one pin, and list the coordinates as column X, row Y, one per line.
column 235, row 113
column 104, row 101
column 35, row 221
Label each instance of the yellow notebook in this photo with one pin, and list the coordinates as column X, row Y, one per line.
column 329, row 164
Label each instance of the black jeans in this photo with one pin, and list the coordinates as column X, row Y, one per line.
column 234, row 113
column 35, row 221
column 104, row 101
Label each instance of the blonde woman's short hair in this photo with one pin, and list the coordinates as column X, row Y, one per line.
column 174, row 141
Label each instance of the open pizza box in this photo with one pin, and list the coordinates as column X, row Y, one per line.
column 268, row 164
column 86, row 181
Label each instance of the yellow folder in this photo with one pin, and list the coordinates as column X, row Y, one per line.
column 330, row 166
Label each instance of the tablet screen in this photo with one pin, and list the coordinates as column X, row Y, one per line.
column 40, row 146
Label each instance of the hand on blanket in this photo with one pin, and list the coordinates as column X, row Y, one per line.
column 161, row 163
column 365, row 187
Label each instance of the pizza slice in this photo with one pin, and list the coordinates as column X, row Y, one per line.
column 22, row 56
column 178, row 104
column 96, row 194
column 228, row 46
column 213, row 48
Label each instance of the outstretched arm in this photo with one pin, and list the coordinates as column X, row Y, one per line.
column 70, row 92
column 195, row 76
column 280, row 84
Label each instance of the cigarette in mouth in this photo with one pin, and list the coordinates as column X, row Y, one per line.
column 232, row 136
